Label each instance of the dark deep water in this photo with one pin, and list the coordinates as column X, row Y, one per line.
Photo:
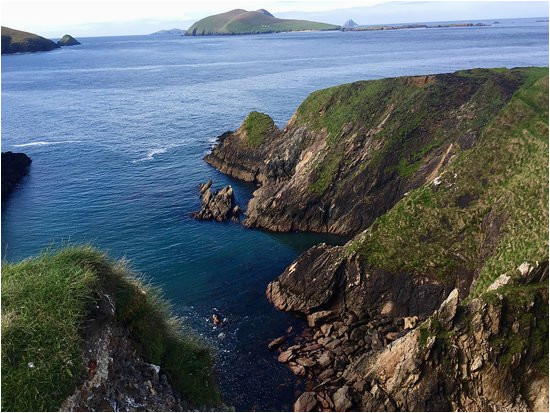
column 117, row 128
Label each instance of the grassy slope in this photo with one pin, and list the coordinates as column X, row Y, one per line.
column 19, row 41
column 240, row 21
column 45, row 301
column 439, row 229
column 413, row 118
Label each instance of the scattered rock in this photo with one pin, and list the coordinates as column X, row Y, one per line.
column 306, row 402
column 277, row 343
column 341, row 399
column 313, row 320
column 285, row 356
column 216, row 319
column 500, row 282
column 410, row 322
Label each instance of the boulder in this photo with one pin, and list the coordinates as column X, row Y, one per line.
column 276, row 343
column 317, row 318
column 342, row 400
column 306, row 402
column 218, row 206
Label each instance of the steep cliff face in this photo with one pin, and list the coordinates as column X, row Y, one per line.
column 439, row 301
column 350, row 152
column 477, row 233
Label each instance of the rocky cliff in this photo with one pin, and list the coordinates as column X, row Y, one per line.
column 439, row 301
column 351, row 152
column 17, row 41
column 14, row 167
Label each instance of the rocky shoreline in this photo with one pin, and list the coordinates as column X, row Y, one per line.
column 435, row 303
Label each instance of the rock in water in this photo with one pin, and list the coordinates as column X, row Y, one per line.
column 219, row 206
column 14, row 167
column 68, row 40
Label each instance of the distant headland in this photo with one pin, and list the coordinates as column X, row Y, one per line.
column 261, row 21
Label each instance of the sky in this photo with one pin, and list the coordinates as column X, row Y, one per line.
column 81, row 18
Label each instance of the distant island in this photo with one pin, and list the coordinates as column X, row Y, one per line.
column 176, row 32
column 261, row 21
column 356, row 28
column 68, row 40
column 17, row 41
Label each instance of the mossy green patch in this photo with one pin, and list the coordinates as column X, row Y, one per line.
column 503, row 181
column 257, row 126
column 45, row 301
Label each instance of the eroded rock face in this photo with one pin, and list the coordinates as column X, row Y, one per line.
column 316, row 178
column 325, row 278
column 218, row 206
column 117, row 379
column 484, row 355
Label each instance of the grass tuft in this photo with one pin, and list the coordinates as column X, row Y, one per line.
column 45, row 302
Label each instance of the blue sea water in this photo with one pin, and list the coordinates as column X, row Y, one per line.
column 117, row 129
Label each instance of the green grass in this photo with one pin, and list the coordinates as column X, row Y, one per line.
column 45, row 301
column 257, row 126
column 240, row 21
column 407, row 119
column 429, row 233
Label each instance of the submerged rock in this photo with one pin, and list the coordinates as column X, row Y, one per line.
column 218, row 206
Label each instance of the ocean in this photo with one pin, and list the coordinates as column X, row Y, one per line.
column 117, row 129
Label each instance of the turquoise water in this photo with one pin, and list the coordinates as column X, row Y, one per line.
column 117, row 129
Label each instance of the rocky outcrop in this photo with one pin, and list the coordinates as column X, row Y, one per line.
column 17, row 41
column 488, row 354
column 14, row 167
column 68, row 40
column 351, row 152
column 117, row 378
column 439, row 305
column 218, row 206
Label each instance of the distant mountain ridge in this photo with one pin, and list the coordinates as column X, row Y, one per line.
column 240, row 21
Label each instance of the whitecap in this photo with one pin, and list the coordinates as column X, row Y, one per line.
column 151, row 154
column 42, row 143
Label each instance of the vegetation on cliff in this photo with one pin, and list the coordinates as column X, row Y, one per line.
column 484, row 213
column 17, row 41
column 440, row 299
column 49, row 305
column 240, row 21
column 351, row 152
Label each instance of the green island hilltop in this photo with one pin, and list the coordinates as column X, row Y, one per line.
column 241, row 21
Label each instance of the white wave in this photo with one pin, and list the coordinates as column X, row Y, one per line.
column 151, row 154
column 42, row 143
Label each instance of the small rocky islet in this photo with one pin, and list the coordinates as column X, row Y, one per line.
column 439, row 301
column 15, row 165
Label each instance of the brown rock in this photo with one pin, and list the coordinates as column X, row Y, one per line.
column 277, row 342
column 285, row 356
column 306, row 402
column 342, row 400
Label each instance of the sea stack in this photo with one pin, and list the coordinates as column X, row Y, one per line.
column 68, row 40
